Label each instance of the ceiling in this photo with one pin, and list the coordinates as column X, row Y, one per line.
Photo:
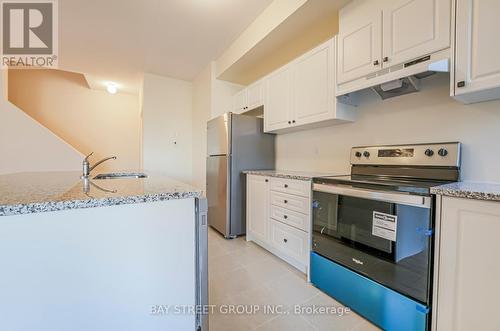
column 312, row 24
column 119, row 40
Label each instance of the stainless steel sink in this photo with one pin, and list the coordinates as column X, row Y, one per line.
column 121, row 175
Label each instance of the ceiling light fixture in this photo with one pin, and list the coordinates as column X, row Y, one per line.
column 112, row 88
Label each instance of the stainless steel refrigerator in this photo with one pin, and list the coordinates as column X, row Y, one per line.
column 235, row 143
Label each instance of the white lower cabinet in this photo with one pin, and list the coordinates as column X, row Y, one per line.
column 280, row 222
column 289, row 240
column 257, row 206
column 467, row 264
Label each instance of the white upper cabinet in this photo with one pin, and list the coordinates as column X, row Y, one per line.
column 239, row 102
column 413, row 28
column 249, row 98
column 302, row 93
column 278, row 110
column 360, row 39
column 375, row 35
column 313, row 85
column 255, row 95
column 477, row 53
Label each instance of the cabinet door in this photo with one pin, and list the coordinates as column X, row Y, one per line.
column 255, row 95
column 414, row 28
column 360, row 39
column 468, row 288
column 240, row 101
column 257, row 206
column 313, row 85
column 277, row 114
column 477, row 54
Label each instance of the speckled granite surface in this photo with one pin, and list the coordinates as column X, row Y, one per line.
column 470, row 190
column 27, row 193
column 288, row 174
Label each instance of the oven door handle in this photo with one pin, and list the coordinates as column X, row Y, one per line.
column 403, row 199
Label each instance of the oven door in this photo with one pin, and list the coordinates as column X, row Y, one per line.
column 383, row 235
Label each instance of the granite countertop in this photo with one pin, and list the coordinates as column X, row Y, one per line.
column 26, row 193
column 287, row 174
column 470, row 190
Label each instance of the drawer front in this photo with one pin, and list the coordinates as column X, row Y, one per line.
column 291, row 186
column 298, row 220
column 292, row 202
column 290, row 241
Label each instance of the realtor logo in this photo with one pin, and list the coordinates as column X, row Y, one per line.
column 29, row 34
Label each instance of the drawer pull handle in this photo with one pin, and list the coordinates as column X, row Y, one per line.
column 285, row 240
column 286, row 185
column 285, row 201
column 285, row 217
column 267, row 180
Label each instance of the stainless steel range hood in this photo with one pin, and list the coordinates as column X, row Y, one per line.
column 400, row 79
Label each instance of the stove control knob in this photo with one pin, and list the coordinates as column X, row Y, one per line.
column 443, row 152
column 358, row 154
column 429, row 152
column 366, row 154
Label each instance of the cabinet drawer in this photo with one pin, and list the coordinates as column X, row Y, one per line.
column 291, row 186
column 290, row 241
column 298, row 220
column 291, row 202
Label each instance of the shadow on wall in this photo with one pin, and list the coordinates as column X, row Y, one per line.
column 89, row 120
column 27, row 146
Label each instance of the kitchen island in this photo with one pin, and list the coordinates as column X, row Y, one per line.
column 115, row 254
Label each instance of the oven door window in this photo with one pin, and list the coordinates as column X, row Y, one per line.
column 350, row 219
column 355, row 220
column 342, row 232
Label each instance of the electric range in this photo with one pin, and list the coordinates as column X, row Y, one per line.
column 373, row 243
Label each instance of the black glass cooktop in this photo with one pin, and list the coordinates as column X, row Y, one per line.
column 409, row 185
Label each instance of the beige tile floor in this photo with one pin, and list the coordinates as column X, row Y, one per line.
column 243, row 275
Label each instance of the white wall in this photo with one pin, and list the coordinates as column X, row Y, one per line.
column 25, row 145
column 222, row 95
column 167, row 118
column 429, row 116
column 90, row 120
column 202, row 98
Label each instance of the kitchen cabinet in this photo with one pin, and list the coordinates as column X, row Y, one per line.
column 467, row 265
column 240, row 102
column 249, row 98
column 278, row 112
column 375, row 35
column 414, row 28
column 313, row 81
column 255, row 95
column 360, row 39
column 257, row 206
column 477, row 50
column 302, row 93
column 279, row 217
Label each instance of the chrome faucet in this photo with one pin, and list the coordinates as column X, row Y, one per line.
column 86, row 165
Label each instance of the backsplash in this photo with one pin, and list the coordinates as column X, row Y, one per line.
column 428, row 116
